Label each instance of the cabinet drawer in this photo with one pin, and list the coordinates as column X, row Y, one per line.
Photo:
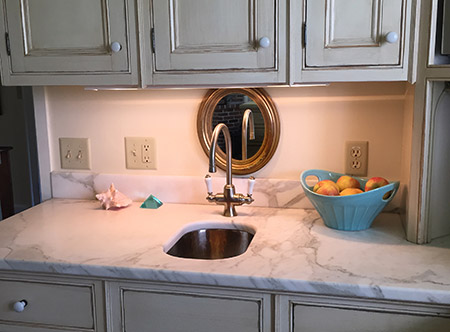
column 156, row 311
column 49, row 305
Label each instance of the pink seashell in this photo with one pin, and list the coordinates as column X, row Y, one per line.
column 112, row 198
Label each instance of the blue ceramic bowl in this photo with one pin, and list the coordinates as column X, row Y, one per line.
column 352, row 212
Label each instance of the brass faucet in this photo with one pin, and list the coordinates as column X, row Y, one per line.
column 228, row 198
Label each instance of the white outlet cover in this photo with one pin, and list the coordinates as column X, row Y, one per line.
column 140, row 152
column 75, row 153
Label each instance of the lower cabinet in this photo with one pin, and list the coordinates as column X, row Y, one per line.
column 34, row 303
column 156, row 308
column 329, row 314
column 47, row 303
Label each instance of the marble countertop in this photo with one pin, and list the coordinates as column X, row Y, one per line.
column 292, row 250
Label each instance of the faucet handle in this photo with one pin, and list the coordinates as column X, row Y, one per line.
column 208, row 182
column 251, row 184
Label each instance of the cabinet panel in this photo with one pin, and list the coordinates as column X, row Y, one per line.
column 340, row 25
column 312, row 319
column 439, row 163
column 354, row 32
column 63, row 17
column 199, row 35
column 188, row 22
column 159, row 312
column 177, row 308
column 49, row 305
column 63, row 36
column 310, row 313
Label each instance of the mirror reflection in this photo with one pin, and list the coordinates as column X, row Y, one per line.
column 252, row 120
column 244, row 121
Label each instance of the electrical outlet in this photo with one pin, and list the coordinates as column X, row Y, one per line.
column 356, row 157
column 146, row 153
column 356, row 164
column 75, row 153
column 140, row 152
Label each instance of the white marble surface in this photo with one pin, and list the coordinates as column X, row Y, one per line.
column 183, row 189
column 291, row 251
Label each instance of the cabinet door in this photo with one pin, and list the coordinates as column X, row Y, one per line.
column 205, row 35
column 354, row 32
column 67, row 37
column 332, row 314
column 311, row 319
column 158, row 308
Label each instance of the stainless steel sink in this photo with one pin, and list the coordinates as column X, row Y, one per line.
column 211, row 243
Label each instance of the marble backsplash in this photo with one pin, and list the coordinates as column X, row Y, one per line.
column 176, row 189
column 275, row 193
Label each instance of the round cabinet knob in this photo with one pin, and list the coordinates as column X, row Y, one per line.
column 264, row 42
column 392, row 37
column 116, row 47
column 20, row 305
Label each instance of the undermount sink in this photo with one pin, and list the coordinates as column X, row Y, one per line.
column 211, row 243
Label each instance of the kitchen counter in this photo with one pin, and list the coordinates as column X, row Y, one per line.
column 292, row 250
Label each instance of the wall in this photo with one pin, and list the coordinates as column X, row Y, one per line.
column 315, row 123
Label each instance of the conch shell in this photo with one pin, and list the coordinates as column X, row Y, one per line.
column 112, row 198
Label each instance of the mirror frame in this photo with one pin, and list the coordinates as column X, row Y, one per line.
column 271, row 129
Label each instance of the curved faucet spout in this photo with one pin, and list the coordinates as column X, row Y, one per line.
column 221, row 127
column 247, row 121
column 228, row 198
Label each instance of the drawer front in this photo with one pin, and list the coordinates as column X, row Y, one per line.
column 52, row 305
column 163, row 312
column 326, row 319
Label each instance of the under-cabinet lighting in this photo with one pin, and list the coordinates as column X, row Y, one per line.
column 188, row 87
column 115, row 88
column 299, row 85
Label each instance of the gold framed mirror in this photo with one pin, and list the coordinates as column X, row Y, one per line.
column 245, row 112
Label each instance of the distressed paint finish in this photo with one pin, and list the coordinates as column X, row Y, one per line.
column 352, row 33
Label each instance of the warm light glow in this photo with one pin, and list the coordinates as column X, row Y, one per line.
column 126, row 88
column 116, row 88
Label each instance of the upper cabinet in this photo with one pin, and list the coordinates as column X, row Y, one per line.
column 217, row 42
column 204, row 42
column 354, row 40
column 353, row 33
column 68, row 42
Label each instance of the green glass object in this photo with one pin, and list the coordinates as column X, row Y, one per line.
column 151, row 203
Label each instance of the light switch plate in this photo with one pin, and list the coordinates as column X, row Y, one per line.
column 75, row 153
column 140, row 152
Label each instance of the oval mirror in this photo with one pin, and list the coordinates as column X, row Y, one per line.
column 252, row 120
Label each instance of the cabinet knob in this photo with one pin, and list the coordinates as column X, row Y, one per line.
column 19, row 306
column 116, row 47
column 264, row 42
column 392, row 37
